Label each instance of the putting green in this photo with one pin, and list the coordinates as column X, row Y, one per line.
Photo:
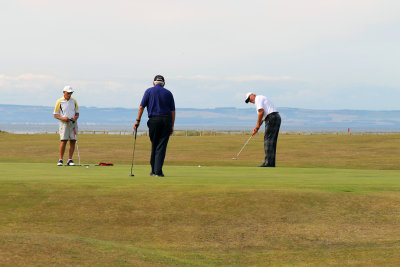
column 246, row 177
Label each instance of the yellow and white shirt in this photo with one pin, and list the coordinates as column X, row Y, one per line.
column 66, row 108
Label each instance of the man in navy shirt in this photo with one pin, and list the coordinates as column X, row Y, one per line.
column 161, row 111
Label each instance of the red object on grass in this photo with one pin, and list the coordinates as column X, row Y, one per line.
column 106, row 164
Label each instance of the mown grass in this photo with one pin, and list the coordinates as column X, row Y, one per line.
column 221, row 214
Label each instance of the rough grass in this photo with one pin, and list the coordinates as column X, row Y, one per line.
column 318, row 150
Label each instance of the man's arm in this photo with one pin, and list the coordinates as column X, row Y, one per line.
column 76, row 111
column 139, row 116
column 75, row 117
column 57, row 112
column 259, row 121
column 58, row 117
column 173, row 121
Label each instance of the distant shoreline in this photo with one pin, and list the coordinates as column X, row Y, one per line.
column 36, row 128
column 37, row 119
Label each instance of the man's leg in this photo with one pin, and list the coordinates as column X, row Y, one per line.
column 272, row 126
column 62, row 148
column 161, row 148
column 159, row 131
column 275, row 139
column 71, row 148
column 151, row 123
column 64, row 139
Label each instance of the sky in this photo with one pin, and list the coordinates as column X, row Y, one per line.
column 333, row 54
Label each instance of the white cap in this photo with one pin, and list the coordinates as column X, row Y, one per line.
column 247, row 99
column 68, row 89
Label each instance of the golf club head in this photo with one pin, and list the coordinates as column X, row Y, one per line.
column 131, row 174
column 234, row 158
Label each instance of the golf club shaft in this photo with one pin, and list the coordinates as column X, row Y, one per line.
column 77, row 147
column 133, row 152
column 244, row 146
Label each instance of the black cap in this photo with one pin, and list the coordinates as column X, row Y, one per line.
column 159, row 78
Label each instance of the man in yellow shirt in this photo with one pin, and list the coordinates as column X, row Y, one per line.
column 67, row 111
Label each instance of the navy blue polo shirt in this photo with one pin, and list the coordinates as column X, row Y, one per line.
column 158, row 100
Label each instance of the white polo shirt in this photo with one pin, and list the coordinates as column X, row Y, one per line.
column 66, row 108
column 264, row 103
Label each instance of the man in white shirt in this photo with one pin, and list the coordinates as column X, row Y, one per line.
column 266, row 112
column 67, row 111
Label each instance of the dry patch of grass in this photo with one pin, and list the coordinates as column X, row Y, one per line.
column 173, row 225
column 66, row 250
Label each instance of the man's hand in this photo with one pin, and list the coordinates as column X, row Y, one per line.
column 136, row 126
column 137, row 123
column 58, row 117
column 255, row 130
column 259, row 121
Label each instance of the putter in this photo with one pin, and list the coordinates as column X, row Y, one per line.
column 77, row 147
column 235, row 158
column 133, row 153
column 79, row 157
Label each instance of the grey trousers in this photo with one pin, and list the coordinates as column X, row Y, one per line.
column 272, row 126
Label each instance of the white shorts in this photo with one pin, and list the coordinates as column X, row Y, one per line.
column 66, row 130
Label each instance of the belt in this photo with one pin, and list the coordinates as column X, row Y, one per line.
column 271, row 114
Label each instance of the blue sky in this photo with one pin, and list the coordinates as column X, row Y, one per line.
column 339, row 54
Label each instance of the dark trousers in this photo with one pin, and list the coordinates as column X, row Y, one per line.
column 272, row 125
column 159, row 132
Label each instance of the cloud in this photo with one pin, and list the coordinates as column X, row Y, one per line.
column 25, row 82
column 253, row 78
column 243, row 78
column 24, row 77
column 196, row 77
column 32, row 82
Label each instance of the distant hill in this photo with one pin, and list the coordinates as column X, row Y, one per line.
column 216, row 118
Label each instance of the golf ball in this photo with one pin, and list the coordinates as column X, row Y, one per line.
column 199, row 166
column 87, row 167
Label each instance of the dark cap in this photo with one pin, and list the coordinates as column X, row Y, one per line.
column 159, row 78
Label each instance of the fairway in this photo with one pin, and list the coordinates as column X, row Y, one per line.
column 208, row 216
